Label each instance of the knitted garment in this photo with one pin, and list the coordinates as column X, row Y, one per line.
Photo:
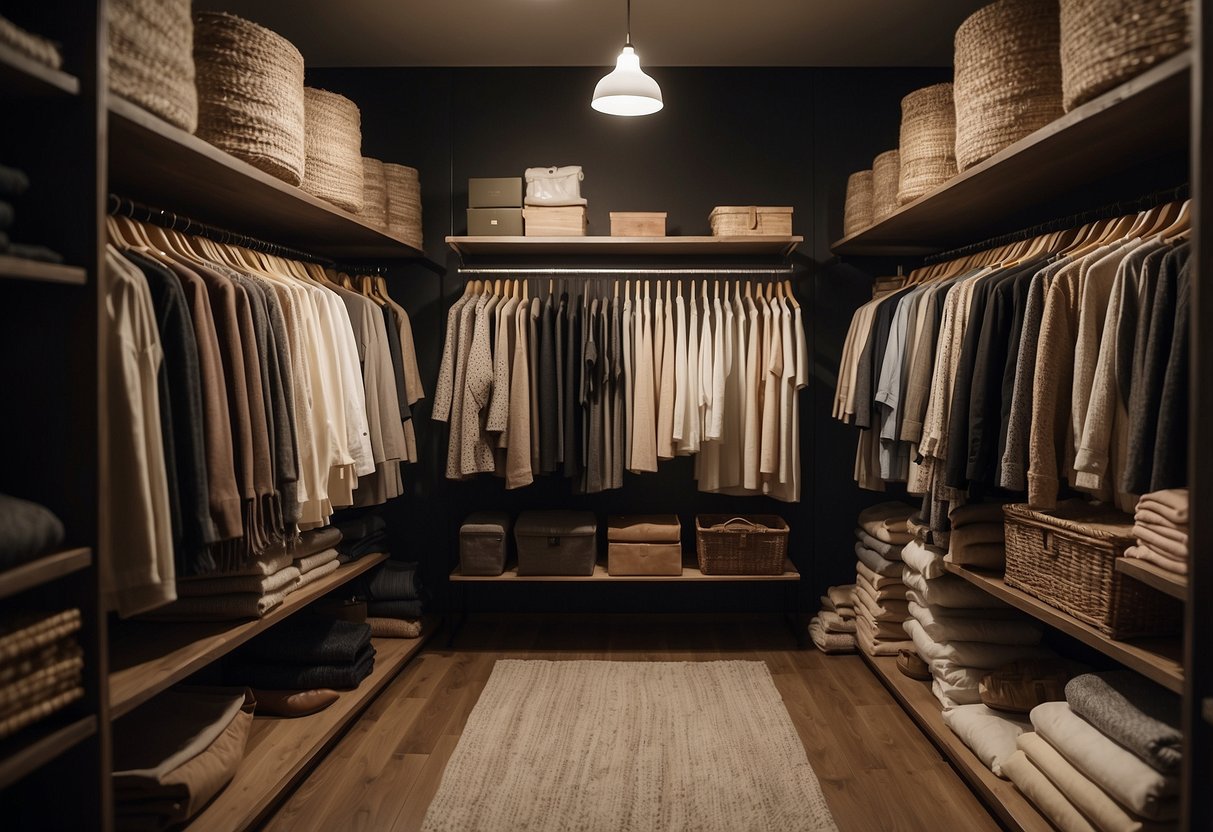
column 305, row 641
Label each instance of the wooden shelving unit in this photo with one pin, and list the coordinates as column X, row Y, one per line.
column 152, row 161
column 148, row 657
column 1001, row 796
column 280, row 751
column 18, row 268
column 24, row 76
column 1174, row 585
column 1155, row 658
column 37, row 745
column 43, row 570
column 1145, row 117
column 623, row 246
column 690, row 572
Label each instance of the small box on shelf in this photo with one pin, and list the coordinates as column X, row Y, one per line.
column 638, row 223
column 504, row 192
column 563, row 221
column 495, row 222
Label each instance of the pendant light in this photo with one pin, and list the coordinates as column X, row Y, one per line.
column 626, row 90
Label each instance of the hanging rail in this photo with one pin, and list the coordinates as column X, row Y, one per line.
column 622, row 272
column 1105, row 212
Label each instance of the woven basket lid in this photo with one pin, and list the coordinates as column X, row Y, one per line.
column 151, row 58
column 857, row 215
column 333, row 142
column 928, row 141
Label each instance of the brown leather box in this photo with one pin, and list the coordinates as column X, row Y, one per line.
column 556, row 542
column 644, row 545
column 482, row 543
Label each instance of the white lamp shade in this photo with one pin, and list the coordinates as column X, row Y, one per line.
column 626, row 90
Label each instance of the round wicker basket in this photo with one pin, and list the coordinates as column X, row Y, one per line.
column 333, row 145
column 858, row 212
column 250, row 93
column 885, row 175
column 1008, row 76
column 1107, row 42
column 151, row 58
column 404, row 203
column 374, row 192
column 928, row 141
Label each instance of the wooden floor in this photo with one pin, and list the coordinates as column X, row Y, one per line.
column 878, row 772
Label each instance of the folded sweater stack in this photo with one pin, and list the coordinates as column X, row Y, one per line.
column 880, row 594
column 1107, row 758
column 361, row 536
column 259, row 585
column 392, row 597
column 832, row 630
column 977, row 537
column 1160, row 525
column 304, row 653
column 41, row 668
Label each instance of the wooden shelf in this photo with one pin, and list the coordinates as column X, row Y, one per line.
column 153, row 162
column 1174, row 585
column 39, row 744
column 1155, row 658
column 43, row 570
column 148, row 656
column 18, row 268
column 1004, row 800
column 280, row 751
column 22, row 76
column 622, row 246
column 1143, row 118
column 690, row 572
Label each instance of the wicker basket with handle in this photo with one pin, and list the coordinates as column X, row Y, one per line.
column 1067, row 558
column 754, row 545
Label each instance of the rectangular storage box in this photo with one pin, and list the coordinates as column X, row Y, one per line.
column 495, row 222
column 638, row 223
column 556, row 543
column 505, row 192
column 644, row 544
column 483, row 540
column 1066, row 557
column 732, row 545
column 565, row 221
column 751, row 221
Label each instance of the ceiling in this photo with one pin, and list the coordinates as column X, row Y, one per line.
column 591, row 32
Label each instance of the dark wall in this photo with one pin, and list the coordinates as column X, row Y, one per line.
column 726, row 136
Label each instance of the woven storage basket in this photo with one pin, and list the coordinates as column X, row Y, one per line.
column 885, row 176
column 1107, row 42
column 928, row 141
column 1067, row 558
column 404, row 202
column 857, row 215
column 332, row 126
column 250, row 93
column 1008, row 76
column 151, row 58
column 728, row 545
column 374, row 192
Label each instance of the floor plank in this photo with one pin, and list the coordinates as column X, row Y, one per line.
column 876, row 768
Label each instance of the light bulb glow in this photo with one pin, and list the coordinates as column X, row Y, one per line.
column 627, row 90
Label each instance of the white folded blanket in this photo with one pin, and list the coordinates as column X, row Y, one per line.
column 988, row 734
column 841, row 596
column 891, row 609
column 950, row 591
column 1118, row 772
column 874, row 646
column 970, row 653
column 832, row 622
column 891, row 551
column 1022, row 631
column 924, row 559
column 1048, row 798
column 876, row 580
column 890, row 589
column 875, row 562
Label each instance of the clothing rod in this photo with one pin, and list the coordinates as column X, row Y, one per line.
column 786, row 272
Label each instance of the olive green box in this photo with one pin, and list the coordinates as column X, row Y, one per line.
column 494, row 222
column 504, row 192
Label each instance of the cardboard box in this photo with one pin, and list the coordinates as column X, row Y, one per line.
column 494, row 222
column 565, row 221
column 504, row 192
column 638, row 223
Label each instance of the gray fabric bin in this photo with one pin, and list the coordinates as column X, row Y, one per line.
column 482, row 543
column 556, row 543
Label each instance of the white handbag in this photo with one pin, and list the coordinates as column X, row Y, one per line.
column 554, row 186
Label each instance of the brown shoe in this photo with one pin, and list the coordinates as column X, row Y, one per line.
column 912, row 665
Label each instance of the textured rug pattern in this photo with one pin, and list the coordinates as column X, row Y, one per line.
column 629, row 747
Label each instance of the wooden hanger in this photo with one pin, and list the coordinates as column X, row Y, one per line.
column 1181, row 225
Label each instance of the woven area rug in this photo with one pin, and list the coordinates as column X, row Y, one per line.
column 629, row 747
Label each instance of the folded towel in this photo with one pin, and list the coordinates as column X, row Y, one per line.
column 977, row 533
column 949, row 591
column 1044, row 795
column 308, row 640
column 881, row 630
column 948, row 628
column 261, row 674
column 875, row 562
column 955, row 684
column 886, row 550
column 27, row 530
column 267, row 564
column 1136, row 713
column 1165, row 530
column 232, row 607
column 953, row 697
column 874, row 646
column 924, row 559
column 1118, row 772
column 888, row 610
column 1159, row 542
column 988, row 734
column 259, row 584
column 841, row 596
column 828, row 642
column 171, row 729
column 1150, row 517
column 975, row 513
column 887, row 522
column 394, row 628
column 1171, row 504
column 307, row 563
column 1179, row 567
column 316, row 573
column 969, row 653
column 392, row 581
column 394, row 609
column 992, row 556
column 891, row 590
column 832, row 622
column 876, row 580
column 1087, row 797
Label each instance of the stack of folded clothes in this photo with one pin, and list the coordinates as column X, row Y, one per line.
column 880, row 594
column 1107, row 758
column 1160, row 525
column 13, row 183
column 833, row 628
column 393, row 599
column 27, row 531
column 41, row 668
column 361, row 536
column 304, row 653
column 977, row 537
column 30, row 45
column 259, row 585
column 173, row 754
